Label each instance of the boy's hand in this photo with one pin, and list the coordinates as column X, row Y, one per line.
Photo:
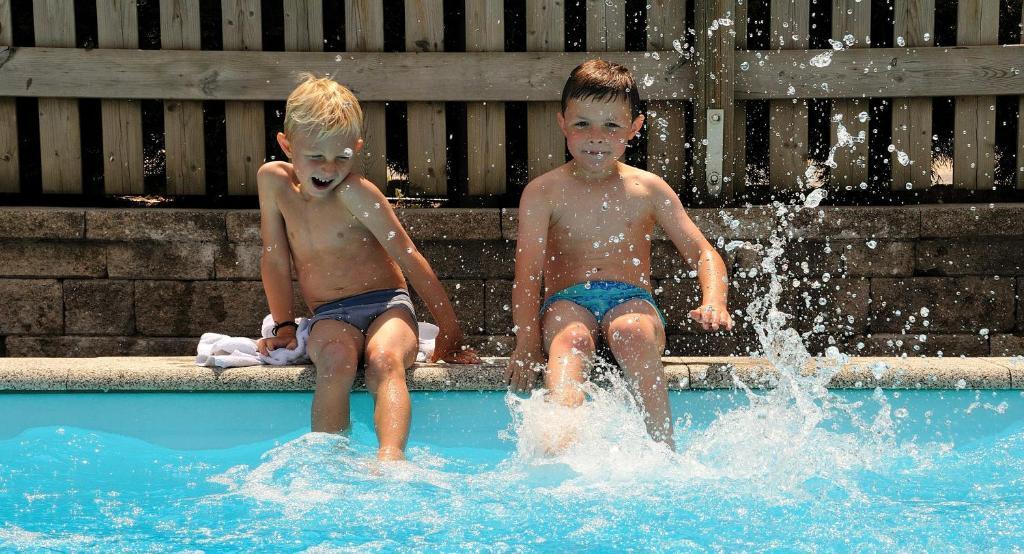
column 448, row 347
column 712, row 317
column 285, row 340
column 523, row 367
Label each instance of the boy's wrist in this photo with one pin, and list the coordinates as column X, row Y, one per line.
column 285, row 328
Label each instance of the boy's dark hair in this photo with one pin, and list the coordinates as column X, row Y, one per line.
column 602, row 80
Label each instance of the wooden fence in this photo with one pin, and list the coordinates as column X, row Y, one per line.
column 180, row 97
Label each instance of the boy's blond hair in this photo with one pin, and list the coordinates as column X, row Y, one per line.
column 321, row 106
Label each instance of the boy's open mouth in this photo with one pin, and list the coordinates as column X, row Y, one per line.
column 321, row 183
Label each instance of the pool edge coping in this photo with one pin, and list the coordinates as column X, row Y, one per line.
column 683, row 373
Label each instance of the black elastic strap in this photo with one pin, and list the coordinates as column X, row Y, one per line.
column 278, row 326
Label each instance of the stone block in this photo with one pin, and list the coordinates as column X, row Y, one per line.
column 712, row 344
column 970, row 257
column 237, row 261
column 243, row 226
column 456, row 259
column 837, row 307
column 491, row 345
column 498, row 307
column 90, row 347
column 451, row 223
column 155, row 224
column 731, row 223
column 51, row 259
column 161, row 260
column 31, row 307
column 1019, row 297
column 954, row 305
column 871, row 258
column 99, row 307
column 42, row 223
column 467, row 298
column 921, row 373
column 858, row 222
column 191, row 308
column 957, row 221
column 924, row 344
column 1007, row 345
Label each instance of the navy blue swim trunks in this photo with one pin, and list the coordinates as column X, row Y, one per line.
column 360, row 310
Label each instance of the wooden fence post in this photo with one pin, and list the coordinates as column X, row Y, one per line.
column 9, row 172
column 244, row 120
column 364, row 32
column 184, row 138
column 485, row 121
column 428, row 157
column 912, row 117
column 60, row 143
column 714, row 152
column 666, row 119
column 545, row 32
column 851, row 19
column 118, row 27
column 788, row 125
column 974, row 127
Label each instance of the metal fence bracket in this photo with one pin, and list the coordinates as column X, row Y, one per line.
column 713, row 157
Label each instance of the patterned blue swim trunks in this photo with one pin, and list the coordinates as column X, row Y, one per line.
column 598, row 297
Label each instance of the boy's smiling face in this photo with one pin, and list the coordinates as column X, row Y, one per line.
column 320, row 163
column 596, row 133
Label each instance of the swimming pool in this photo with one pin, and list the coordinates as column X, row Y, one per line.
column 871, row 470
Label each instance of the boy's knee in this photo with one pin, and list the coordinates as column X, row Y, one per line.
column 632, row 331
column 382, row 363
column 575, row 337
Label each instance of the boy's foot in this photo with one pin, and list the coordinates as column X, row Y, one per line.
column 390, row 454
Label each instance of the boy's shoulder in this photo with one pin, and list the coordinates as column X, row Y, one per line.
column 273, row 175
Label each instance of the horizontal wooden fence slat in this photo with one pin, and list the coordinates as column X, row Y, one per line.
column 974, row 122
column 246, row 149
column 364, row 32
column 9, row 168
column 911, row 161
column 905, row 72
column 60, row 144
column 428, row 156
column 212, row 75
column 545, row 32
column 788, row 123
column 184, row 143
column 850, row 18
column 666, row 123
column 118, row 27
column 485, row 121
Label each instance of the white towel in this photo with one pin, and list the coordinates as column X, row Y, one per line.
column 216, row 350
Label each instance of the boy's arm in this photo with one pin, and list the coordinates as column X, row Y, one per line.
column 531, row 245
column 698, row 253
column 371, row 208
column 275, row 259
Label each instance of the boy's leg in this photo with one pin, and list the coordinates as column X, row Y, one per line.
column 391, row 347
column 636, row 337
column 334, row 347
column 569, row 340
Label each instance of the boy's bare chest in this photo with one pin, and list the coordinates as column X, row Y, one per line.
column 600, row 219
column 323, row 227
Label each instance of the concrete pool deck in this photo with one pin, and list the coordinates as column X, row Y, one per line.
column 181, row 374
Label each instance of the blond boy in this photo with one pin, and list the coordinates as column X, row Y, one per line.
column 584, row 246
column 349, row 252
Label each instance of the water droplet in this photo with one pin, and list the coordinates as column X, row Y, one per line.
column 872, row 244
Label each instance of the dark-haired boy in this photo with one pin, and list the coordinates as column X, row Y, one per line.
column 585, row 241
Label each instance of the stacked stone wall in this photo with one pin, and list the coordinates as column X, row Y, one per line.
column 873, row 281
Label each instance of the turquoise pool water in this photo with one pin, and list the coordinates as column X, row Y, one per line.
column 862, row 470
